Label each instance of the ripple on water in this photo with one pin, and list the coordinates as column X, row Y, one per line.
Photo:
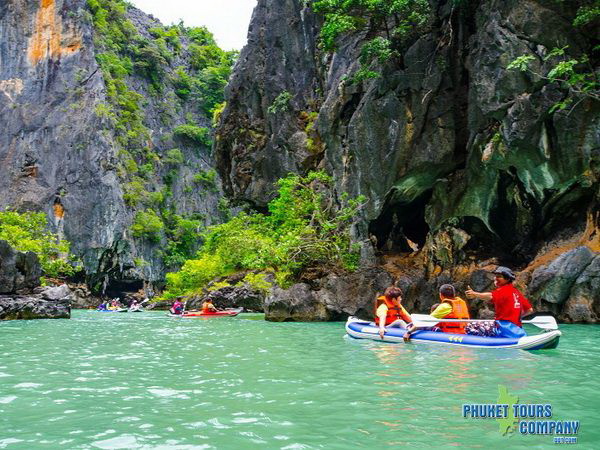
column 165, row 392
column 123, row 441
column 27, row 385
column 9, row 441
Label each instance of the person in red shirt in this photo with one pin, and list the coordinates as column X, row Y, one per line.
column 510, row 304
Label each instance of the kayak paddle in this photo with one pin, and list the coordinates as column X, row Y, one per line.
column 544, row 322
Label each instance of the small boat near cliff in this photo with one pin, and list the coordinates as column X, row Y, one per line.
column 360, row 329
column 225, row 313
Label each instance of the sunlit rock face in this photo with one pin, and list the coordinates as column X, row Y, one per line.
column 53, row 145
column 464, row 164
column 59, row 153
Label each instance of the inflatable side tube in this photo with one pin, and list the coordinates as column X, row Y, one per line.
column 368, row 330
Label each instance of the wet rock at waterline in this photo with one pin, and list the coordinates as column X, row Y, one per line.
column 26, row 308
column 295, row 304
column 82, row 297
column 582, row 304
column 19, row 280
column 334, row 297
column 232, row 297
column 53, row 293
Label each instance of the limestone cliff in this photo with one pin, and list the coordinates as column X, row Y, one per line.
column 464, row 162
column 63, row 150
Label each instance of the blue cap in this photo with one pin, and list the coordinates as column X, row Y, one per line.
column 505, row 272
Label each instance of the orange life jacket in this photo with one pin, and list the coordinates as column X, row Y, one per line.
column 395, row 310
column 459, row 311
column 205, row 307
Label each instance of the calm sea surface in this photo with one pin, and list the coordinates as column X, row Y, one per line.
column 109, row 380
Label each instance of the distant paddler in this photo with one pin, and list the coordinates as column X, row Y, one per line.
column 177, row 308
column 115, row 304
column 208, row 307
column 135, row 306
column 509, row 303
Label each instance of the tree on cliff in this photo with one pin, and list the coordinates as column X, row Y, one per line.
column 305, row 229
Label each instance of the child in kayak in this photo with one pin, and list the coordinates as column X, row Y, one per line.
column 389, row 312
column 451, row 306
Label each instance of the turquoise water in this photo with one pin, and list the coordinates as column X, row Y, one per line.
column 106, row 380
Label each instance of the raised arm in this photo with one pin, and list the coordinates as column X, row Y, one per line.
column 470, row 293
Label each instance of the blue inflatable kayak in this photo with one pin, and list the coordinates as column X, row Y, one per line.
column 360, row 329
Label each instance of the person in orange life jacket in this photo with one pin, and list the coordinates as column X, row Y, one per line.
column 510, row 304
column 208, row 306
column 389, row 312
column 450, row 307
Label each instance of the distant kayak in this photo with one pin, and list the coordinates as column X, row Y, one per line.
column 112, row 310
column 225, row 313
column 360, row 329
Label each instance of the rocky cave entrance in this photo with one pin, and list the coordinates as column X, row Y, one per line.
column 401, row 227
column 123, row 288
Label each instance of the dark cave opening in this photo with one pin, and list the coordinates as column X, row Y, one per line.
column 121, row 288
column 401, row 227
column 483, row 244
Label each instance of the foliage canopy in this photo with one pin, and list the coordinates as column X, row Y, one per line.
column 304, row 228
column 28, row 232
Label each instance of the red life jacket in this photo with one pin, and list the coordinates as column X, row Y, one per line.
column 459, row 311
column 395, row 310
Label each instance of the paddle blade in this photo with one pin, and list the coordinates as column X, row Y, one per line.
column 423, row 317
column 544, row 322
column 539, row 313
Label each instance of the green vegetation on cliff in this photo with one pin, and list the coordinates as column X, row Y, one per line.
column 179, row 73
column 29, row 232
column 305, row 229
column 398, row 21
column 573, row 71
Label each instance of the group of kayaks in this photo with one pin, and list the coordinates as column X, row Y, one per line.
column 361, row 329
column 231, row 312
column 120, row 310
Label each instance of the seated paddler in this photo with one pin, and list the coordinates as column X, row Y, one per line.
column 389, row 311
column 451, row 306
column 208, row 307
